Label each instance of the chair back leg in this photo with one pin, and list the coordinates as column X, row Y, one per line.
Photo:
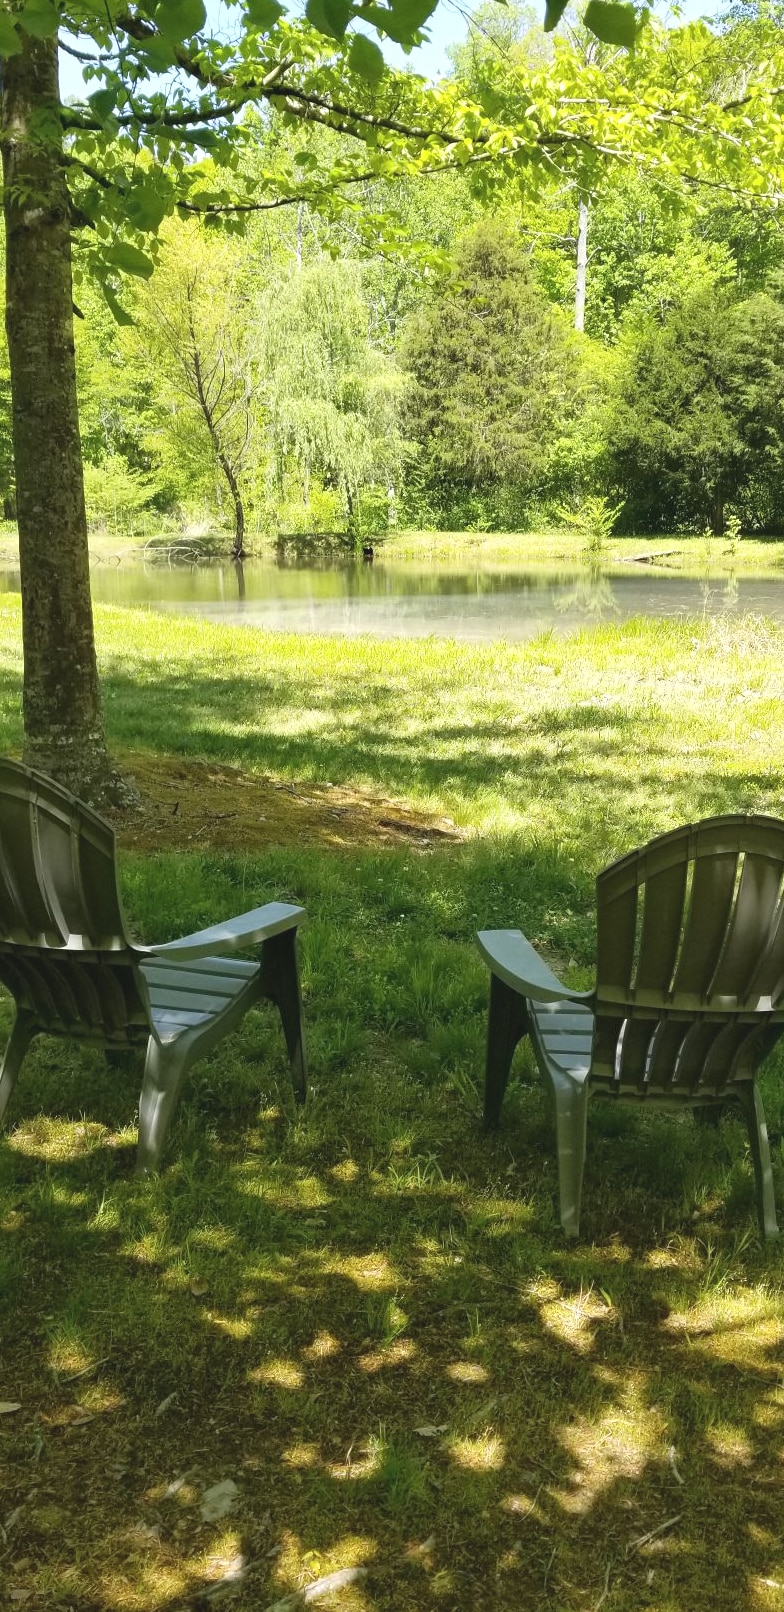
column 280, row 983
column 507, row 1023
column 21, row 1036
column 754, row 1113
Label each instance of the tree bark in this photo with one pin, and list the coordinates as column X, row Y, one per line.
column 63, row 722
column 581, row 281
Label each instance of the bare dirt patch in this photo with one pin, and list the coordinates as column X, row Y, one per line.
column 189, row 805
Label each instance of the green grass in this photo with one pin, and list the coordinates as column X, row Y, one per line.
column 364, row 1314
column 681, row 551
column 688, row 552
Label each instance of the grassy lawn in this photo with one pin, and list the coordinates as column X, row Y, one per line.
column 364, row 1315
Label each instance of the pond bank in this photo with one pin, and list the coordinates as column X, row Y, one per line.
column 689, row 551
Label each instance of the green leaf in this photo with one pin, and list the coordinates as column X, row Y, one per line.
column 399, row 22
column 10, row 43
column 180, row 19
column 411, row 14
column 119, row 313
column 158, row 52
column 615, row 24
column 146, row 206
column 39, row 17
column 103, row 102
column 129, row 260
column 553, row 13
column 208, row 139
column 263, row 14
column 365, row 59
column 330, row 17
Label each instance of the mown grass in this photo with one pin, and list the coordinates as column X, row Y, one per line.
column 364, row 1314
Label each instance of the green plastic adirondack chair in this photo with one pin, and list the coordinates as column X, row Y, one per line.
column 689, row 994
column 66, row 958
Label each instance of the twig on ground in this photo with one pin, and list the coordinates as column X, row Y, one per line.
column 85, row 1371
column 645, row 1539
column 605, row 1591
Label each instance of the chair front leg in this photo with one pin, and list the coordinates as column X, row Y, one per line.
column 507, row 1022
column 571, row 1116
column 280, row 983
column 164, row 1071
column 751, row 1103
column 21, row 1035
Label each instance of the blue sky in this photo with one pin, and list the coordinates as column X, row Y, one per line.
column 447, row 27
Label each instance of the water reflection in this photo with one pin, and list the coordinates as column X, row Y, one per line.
column 471, row 602
column 592, row 597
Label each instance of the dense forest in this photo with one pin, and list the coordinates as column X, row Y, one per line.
column 519, row 355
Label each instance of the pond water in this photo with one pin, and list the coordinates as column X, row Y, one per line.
column 415, row 600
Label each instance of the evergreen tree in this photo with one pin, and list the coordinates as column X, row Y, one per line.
column 496, row 383
column 697, row 422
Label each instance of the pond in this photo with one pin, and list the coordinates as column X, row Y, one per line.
column 396, row 599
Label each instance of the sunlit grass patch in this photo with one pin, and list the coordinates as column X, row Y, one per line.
column 613, row 1448
column 363, row 1313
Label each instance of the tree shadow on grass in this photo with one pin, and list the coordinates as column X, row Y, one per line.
column 367, row 1320
column 365, row 1317
column 608, row 770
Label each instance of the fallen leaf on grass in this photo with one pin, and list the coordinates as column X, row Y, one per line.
column 320, row 1586
column 236, row 1571
column 218, row 1501
column 430, row 1430
column 415, row 1553
column 7, row 1406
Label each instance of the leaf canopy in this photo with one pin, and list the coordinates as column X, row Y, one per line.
column 167, row 122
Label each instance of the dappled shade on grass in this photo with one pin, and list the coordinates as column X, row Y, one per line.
column 365, row 1316
column 366, row 1321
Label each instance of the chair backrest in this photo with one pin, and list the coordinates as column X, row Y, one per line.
column 690, row 958
column 64, row 952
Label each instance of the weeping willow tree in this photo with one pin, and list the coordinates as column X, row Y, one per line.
column 332, row 397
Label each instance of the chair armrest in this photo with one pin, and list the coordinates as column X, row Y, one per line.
column 509, row 955
column 248, row 930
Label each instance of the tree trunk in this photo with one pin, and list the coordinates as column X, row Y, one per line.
column 581, row 281
column 238, row 549
column 63, row 723
column 238, row 546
